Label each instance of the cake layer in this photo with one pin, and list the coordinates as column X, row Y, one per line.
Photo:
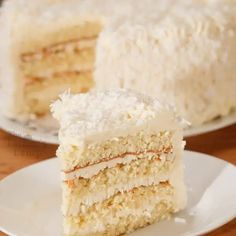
column 124, row 212
column 79, row 31
column 68, row 59
column 73, row 157
column 40, row 92
column 79, row 193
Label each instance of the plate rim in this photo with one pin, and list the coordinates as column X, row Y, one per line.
column 35, row 136
column 213, row 125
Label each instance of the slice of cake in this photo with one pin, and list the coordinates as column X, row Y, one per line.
column 121, row 160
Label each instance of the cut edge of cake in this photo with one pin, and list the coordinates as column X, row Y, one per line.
column 45, row 52
column 142, row 169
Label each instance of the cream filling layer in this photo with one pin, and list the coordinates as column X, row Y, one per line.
column 51, row 73
column 66, row 47
column 89, row 171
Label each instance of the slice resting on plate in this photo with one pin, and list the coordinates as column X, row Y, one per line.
column 121, row 162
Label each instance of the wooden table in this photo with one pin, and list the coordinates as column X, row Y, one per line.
column 17, row 153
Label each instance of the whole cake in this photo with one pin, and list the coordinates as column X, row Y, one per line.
column 121, row 160
column 183, row 52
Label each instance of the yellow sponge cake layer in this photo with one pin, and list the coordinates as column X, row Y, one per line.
column 124, row 212
column 40, row 92
column 74, row 158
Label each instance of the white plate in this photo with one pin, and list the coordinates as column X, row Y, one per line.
column 212, row 125
column 45, row 129
column 30, row 199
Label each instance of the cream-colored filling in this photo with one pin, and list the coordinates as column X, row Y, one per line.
column 70, row 46
column 61, row 62
column 50, row 69
column 91, row 170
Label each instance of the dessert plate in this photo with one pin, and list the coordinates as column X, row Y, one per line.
column 30, row 199
column 45, row 129
column 215, row 124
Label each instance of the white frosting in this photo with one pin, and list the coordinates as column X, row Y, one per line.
column 102, row 115
column 89, row 171
column 176, row 179
column 186, row 56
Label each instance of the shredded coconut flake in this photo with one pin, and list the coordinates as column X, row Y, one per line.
column 82, row 115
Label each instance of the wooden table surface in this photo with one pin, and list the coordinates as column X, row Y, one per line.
column 17, row 153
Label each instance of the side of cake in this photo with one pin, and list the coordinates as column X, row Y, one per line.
column 121, row 158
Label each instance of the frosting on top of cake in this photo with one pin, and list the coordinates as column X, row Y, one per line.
column 82, row 116
column 185, row 56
